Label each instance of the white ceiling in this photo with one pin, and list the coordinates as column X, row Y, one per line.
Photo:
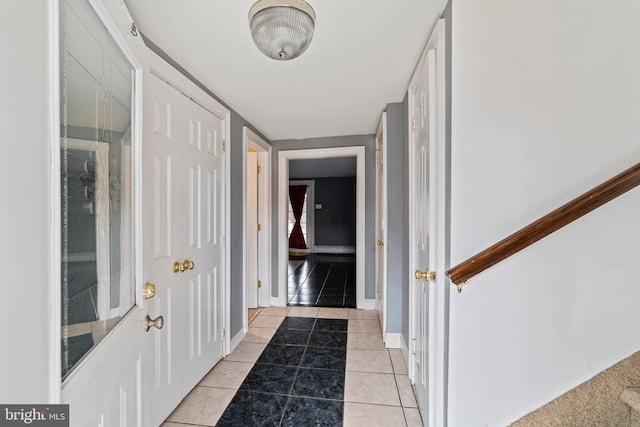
column 361, row 58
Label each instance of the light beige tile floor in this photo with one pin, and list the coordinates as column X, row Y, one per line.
column 377, row 389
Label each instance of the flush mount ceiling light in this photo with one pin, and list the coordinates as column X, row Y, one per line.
column 282, row 29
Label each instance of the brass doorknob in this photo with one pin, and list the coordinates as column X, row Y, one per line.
column 177, row 267
column 426, row 275
column 158, row 322
column 149, row 290
column 380, row 243
column 180, row 267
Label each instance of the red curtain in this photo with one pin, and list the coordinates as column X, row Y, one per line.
column 296, row 196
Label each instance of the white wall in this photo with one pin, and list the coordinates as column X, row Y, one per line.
column 28, row 373
column 545, row 106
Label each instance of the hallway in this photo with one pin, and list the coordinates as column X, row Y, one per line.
column 322, row 280
column 368, row 387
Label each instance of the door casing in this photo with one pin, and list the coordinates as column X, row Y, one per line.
column 253, row 140
column 283, row 195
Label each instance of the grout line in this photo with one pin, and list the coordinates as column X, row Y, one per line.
column 290, row 395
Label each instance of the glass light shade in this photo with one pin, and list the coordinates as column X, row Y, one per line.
column 282, row 29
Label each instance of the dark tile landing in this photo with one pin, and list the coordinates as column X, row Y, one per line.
column 298, row 379
column 323, row 281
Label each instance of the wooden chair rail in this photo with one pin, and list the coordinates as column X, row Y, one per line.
column 546, row 225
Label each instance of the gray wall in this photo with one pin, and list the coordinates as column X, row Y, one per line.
column 368, row 141
column 405, row 222
column 335, row 223
column 397, row 280
column 234, row 149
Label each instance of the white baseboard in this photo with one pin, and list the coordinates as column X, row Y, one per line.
column 367, row 304
column 393, row 340
column 277, row 302
column 335, row 249
column 235, row 340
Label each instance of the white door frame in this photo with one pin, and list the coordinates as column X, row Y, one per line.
column 283, row 194
column 311, row 211
column 381, row 223
column 253, row 140
column 438, row 291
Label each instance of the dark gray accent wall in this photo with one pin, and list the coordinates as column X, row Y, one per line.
column 335, row 223
column 397, row 249
column 234, row 150
column 368, row 141
column 322, row 168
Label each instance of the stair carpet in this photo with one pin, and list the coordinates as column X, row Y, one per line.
column 611, row 398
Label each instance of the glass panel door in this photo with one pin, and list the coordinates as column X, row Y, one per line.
column 96, row 181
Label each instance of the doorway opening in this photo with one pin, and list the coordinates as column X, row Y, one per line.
column 257, row 221
column 324, row 273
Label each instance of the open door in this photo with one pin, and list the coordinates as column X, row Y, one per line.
column 427, row 230
column 381, row 223
column 257, row 221
column 253, row 229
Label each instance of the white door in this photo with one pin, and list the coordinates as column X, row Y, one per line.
column 184, row 177
column 420, row 242
column 381, row 223
column 427, row 229
column 98, row 190
column 252, row 229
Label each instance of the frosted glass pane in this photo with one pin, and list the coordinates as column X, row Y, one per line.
column 96, row 181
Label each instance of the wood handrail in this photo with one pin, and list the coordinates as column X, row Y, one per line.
column 546, row 225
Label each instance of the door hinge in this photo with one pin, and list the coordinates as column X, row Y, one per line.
column 413, row 123
column 259, row 227
column 259, row 169
column 413, row 346
column 259, row 283
column 224, row 146
column 224, row 333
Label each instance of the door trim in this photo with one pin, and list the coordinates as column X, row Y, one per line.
column 253, row 140
column 438, row 341
column 283, row 192
column 382, row 131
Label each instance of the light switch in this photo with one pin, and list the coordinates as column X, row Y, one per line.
column 318, row 205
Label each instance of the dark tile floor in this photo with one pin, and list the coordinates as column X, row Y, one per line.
column 323, row 281
column 298, row 379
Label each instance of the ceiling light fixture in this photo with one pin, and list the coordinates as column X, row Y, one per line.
column 282, row 29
